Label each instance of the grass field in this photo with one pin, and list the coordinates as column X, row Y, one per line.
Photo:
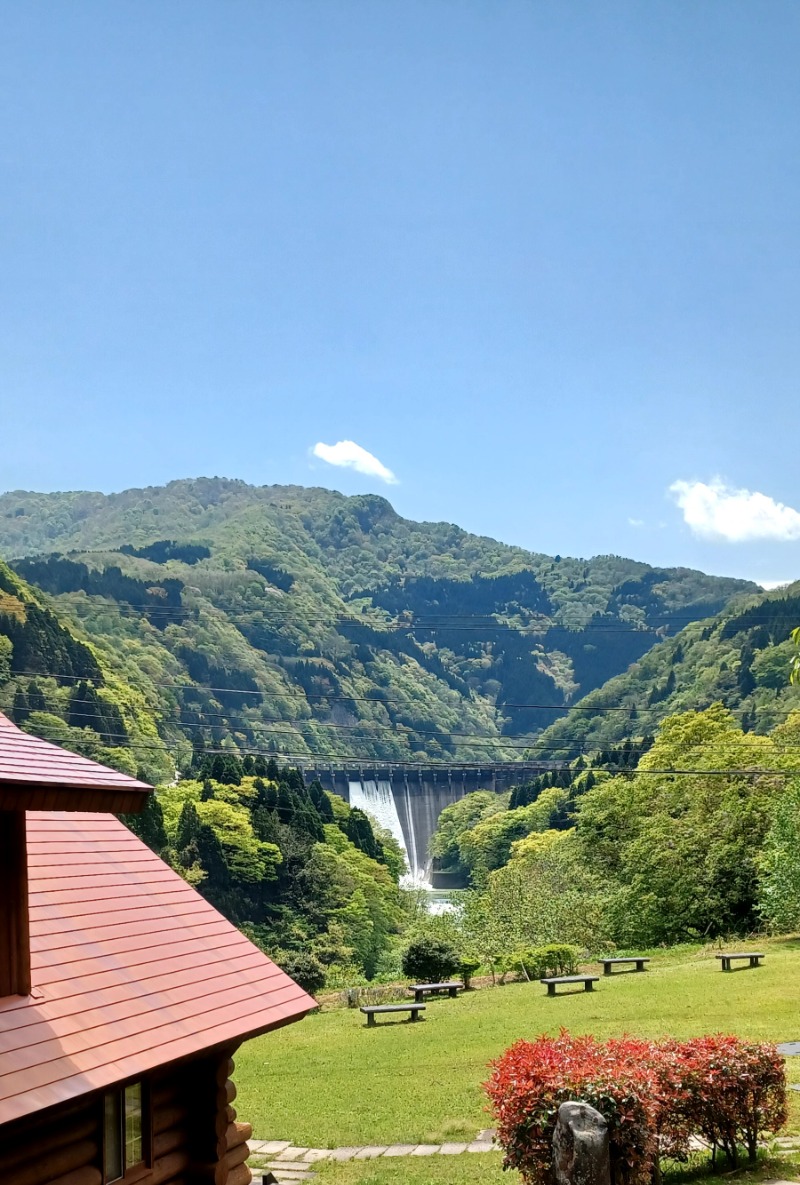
column 330, row 1081
column 467, row 1169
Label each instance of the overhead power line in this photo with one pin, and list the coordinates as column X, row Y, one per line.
column 595, row 709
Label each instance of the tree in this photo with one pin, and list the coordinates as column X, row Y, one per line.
column 779, row 879
column 429, row 959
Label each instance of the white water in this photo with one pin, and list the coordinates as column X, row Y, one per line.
column 377, row 799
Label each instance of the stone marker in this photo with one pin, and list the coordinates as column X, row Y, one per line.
column 580, row 1146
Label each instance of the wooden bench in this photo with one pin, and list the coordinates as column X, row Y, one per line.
column 588, row 982
column 608, row 963
column 753, row 956
column 420, row 990
column 370, row 1010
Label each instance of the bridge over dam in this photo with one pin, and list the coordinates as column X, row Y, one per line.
column 407, row 799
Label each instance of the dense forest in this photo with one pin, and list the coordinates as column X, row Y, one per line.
column 696, row 838
column 204, row 634
column 299, row 622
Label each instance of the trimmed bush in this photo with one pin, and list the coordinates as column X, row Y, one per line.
column 654, row 1096
column 537, row 962
column 430, row 960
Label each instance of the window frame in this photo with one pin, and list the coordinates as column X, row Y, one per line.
column 133, row 1172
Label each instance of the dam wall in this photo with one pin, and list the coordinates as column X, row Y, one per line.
column 407, row 800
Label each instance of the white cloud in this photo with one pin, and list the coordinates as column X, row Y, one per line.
column 349, row 455
column 718, row 511
column 635, row 522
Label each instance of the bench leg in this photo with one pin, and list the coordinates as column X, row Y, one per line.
column 640, row 966
column 589, row 985
column 414, row 1014
column 606, row 969
column 726, row 964
column 551, row 989
column 417, row 997
column 370, row 1019
column 754, row 962
column 452, row 993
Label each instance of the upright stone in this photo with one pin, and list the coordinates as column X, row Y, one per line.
column 580, row 1146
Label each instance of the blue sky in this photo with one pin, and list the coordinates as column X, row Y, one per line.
column 540, row 260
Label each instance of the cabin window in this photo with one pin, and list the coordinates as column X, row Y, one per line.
column 123, row 1132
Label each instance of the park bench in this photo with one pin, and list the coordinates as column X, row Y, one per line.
column 421, row 990
column 371, row 1009
column 608, row 963
column 753, row 956
column 588, row 982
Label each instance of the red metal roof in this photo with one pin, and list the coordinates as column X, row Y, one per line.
column 131, row 969
column 36, row 774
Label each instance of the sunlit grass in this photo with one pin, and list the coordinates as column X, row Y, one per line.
column 330, row 1081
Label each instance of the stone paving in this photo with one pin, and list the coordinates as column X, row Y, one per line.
column 287, row 1162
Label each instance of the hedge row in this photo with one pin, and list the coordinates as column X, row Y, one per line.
column 654, row 1095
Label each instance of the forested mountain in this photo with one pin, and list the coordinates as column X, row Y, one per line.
column 299, row 621
column 740, row 658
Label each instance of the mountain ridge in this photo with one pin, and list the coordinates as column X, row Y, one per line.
column 304, row 621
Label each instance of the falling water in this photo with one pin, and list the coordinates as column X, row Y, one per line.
column 377, row 799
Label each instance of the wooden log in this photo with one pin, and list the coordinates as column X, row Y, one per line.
column 236, row 1156
column 169, row 1166
column 224, row 1117
column 88, row 1175
column 241, row 1175
column 169, row 1140
column 168, row 1117
column 238, row 1133
column 47, row 1141
column 55, row 1164
column 224, row 1071
column 227, row 1092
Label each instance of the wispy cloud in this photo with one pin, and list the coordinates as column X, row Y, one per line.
column 716, row 510
column 635, row 522
column 346, row 454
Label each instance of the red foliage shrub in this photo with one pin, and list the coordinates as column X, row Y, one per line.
column 654, row 1096
column 733, row 1091
column 532, row 1079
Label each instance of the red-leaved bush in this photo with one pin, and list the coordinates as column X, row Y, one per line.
column 654, row 1096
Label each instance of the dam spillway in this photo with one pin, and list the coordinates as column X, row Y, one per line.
column 407, row 800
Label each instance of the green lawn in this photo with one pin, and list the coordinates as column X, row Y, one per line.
column 467, row 1169
column 330, row 1081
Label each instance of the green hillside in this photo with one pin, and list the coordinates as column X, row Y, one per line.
column 55, row 682
column 299, row 621
column 741, row 658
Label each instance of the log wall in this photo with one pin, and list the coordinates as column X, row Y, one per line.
column 195, row 1138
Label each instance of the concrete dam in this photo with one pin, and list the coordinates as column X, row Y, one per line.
column 407, row 799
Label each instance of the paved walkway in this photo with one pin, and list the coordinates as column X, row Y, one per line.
column 288, row 1163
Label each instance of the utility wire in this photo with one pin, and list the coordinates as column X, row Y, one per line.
column 368, row 699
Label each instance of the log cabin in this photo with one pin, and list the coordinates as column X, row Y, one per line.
column 123, row 994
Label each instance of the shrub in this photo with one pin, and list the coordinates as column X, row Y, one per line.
column 536, row 962
column 467, row 968
column 654, row 1096
column 430, row 959
column 306, row 970
column 532, row 1079
column 734, row 1091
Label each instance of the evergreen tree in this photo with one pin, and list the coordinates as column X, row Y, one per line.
column 149, row 825
column 36, row 700
column 188, row 826
column 20, row 710
column 207, row 790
